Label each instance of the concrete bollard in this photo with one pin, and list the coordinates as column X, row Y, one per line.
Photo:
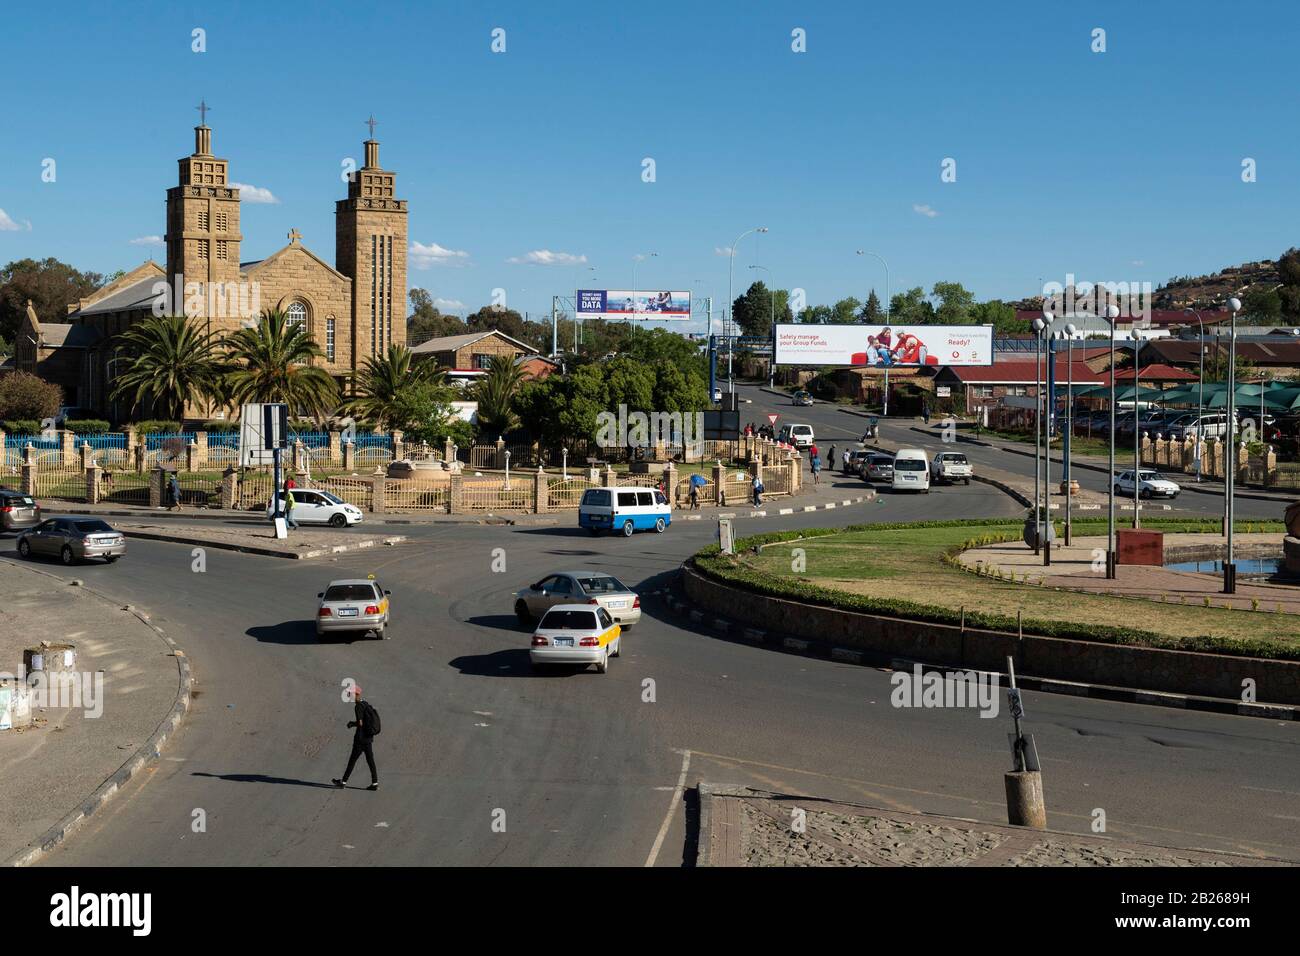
column 1025, row 807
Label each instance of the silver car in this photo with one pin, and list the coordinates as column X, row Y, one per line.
column 578, row 587
column 18, row 511
column 73, row 539
column 353, row 604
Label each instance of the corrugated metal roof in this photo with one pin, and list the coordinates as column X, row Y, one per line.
column 137, row 295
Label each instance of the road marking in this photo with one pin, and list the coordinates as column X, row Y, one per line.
column 672, row 809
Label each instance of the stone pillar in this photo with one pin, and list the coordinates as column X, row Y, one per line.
column 336, row 447
column 85, row 454
column 670, row 484
column 1243, row 461
column 379, row 485
column 541, row 492
column 68, row 448
column 29, row 454
column 3, row 438
column 27, row 483
column 661, row 450
column 1270, row 466
column 201, row 455
column 349, row 456
column 229, row 486
column 399, row 446
column 500, row 458
column 132, row 443
column 796, row 475
column 157, row 487
column 92, row 473
column 137, row 458
column 456, row 494
column 719, row 475
column 192, row 456
column 608, row 477
column 1147, row 451
column 448, row 450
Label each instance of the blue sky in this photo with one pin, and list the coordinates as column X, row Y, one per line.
column 1115, row 166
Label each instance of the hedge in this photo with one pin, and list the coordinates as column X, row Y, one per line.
column 86, row 426
column 152, row 426
column 728, row 570
column 22, row 426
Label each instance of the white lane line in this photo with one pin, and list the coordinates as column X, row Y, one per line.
column 672, row 809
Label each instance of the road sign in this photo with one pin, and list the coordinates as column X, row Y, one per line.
column 771, row 419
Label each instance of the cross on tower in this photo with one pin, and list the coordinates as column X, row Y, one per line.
column 203, row 112
column 372, row 123
column 294, row 235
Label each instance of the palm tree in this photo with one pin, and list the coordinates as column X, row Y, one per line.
column 495, row 394
column 382, row 381
column 171, row 364
column 272, row 363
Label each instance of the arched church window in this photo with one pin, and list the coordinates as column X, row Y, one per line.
column 296, row 314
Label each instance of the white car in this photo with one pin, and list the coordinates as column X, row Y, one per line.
column 312, row 506
column 801, row 436
column 1154, row 485
column 911, row 470
column 574, row 587
column 576, row 634
column 951, row 467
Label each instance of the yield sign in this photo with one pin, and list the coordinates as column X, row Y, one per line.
column 771, row 419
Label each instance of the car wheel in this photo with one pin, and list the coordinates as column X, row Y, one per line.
column 602, row 665
column 1117, row 491
column 338, row 521
column 24, row 548
column 67, row 555
column 594, row 531
column 110, row 558
column 618, row 647
column 538, row 667
column 967, row 481
column 1144, row 494
column 522, row 614
column 659, row 525
column 628, row 528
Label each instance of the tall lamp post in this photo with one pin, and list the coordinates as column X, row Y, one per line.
column 864, row 252
column 1137, row 431
column 1112, row 315
column 1230, row 465
column 1049, row 357
column 1200, row 390
column 1070, row 331
column 1039, row 326
column 731, row 304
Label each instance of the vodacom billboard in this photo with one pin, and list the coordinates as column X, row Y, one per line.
column 884, row 346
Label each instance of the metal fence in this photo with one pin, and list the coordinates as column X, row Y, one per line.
column 355, row 491
column 123, row 487
column 568, row 492
column 61, row 481
column 493, row 495
column 416, row 495
column 737, row 487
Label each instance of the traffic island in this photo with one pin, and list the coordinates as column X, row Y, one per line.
column 261, row 540
column 742, row 827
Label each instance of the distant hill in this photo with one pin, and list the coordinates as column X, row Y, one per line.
column 1182, row 292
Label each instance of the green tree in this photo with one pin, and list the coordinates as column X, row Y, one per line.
column 872, row 313
column 28, row 397
column 422, row 409
column 495, row 394
column 845, row 311
column 1263, row 306
column 51, row 286
column 271, row 362
column 998, row 314
column 508, row 322
column 817, row 315
column 911, row 308
column 955, row 303
column 752, row 311
column 171, row 363
column 380, row 387
column 427, row 322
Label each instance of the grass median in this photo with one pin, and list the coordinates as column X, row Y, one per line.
column 905, row 570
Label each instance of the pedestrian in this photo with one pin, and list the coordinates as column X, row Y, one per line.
column 174, row 490
column 367, row 727
column 925, row 412
column 288, row 510
column 845, row 469
column 816, row 464
column 696, row 483
column 831, row 458
column 812, row 450
column 757, row 486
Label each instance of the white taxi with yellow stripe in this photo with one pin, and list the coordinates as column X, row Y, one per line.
column 576, row 634
column 353, row 604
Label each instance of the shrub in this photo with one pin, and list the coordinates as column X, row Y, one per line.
column 24, row 426
column 86, row 426
column 154, row 426
column 25, row 396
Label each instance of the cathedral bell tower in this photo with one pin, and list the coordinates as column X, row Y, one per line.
column 370, row 248
column 203, row 233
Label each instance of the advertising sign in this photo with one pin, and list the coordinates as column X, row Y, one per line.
column 884, row 346
column 625, row 304
column 262, row 429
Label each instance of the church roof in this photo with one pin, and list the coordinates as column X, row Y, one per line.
column 449, row 343
column 58, row 335
column 248, row 267
column 137, row 295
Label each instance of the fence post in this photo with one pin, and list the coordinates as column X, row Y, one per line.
column 137, row 458
column 670, row 484
column 201, row 455
column 719, row 475
column 192, row 456
column 607, row 476
column 500, row 460
column 86, row 455
column 379, row 485
column 399, row 446
column 229, row 478
column 68, row 448
column 28, row 484
column 132, row 442
column 349, row 456
column 1270, row 466
column 795, row 473
column 336, row 446
column 541, row 492
column 456, row 494
column 92, row 483
column 156, row 479
column 448, row 450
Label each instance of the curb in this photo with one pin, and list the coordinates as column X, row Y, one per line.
column 248, row 517
column 793, row 509
column 148, row 752
column 850, row 655
column 265, row 552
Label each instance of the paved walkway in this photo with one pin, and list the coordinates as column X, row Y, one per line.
column 1076, row 568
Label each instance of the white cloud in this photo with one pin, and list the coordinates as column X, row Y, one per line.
column 255, row 194
column 8, row 225
column 545, row 257
column 722, row 250
column 147, row 241
column 924, row 210
column 448, row 303
column 1138, row 262
column 433, row 254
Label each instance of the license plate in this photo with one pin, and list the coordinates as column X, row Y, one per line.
column 618, row 604
column 347, row 612
column 562, row 641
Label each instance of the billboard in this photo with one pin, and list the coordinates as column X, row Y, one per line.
column 884, row 346
column 626, row 304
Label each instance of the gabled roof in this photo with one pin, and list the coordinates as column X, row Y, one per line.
column 137, row 295
column 1021, row 371
column 248, row 268
column 148, row 271
column 1155, row 372
column 58, row 335
column 450, row 343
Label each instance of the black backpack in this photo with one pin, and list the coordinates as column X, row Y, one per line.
column 369, row 719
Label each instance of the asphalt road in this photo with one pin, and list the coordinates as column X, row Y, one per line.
column 582, row 767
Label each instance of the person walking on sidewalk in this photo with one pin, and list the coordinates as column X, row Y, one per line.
column 288, row 509
column 845, row 469
column 367, row 727
column 174, row 492
column 757, row 486
column 830, row 459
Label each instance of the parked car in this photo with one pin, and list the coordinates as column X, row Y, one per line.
column 911, row 470
column 626, row 510
column 801, row 436
column 951, row 467
column 73, row 539
column 353, row 604
column 802, row 398
column 576, row 634
column 313, row 506
column 18, row 511
column 575, row 587
column 1154, row 485
column 877, row 467
column 856, row 457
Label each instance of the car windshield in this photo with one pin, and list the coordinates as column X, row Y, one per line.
column 956, row 459
column 350, row 592
column 909, row 464
column 569, row 621
column 881, row 460
column 332, row 499
column 601, row 584
column 1152, row 476
column 93, row 526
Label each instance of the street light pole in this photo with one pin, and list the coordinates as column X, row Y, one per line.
column 1137, row 431
column 1038, row 326
column 1045, row 528
column 731, row 303
column 1112, row 314
column 1230, row 465
column 1200, row 390
column 1069, row 422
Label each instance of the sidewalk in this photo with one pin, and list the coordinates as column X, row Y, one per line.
column 260, row 539
column 51, row 769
